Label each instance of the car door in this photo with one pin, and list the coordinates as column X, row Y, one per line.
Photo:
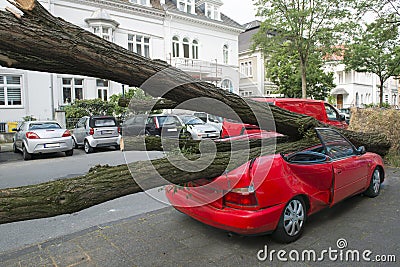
column 19, row 135
column 349, row 167
column 79, row 131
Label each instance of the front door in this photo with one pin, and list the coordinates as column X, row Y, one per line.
column 339, row 101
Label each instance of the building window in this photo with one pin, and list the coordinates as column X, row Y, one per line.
column 227, row 85
column 72, row 89
column 175, row 46
column 102, row 89
column 141, row 2
column 225, row 51
column 186, row 6
column 246, row 93
column 246, row 68
column 186, row 48
column 195, row 49
column 212, row 12
column 10, row 90
column 139, row 44
column 105, row 32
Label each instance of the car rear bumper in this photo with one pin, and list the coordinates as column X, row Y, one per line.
column 244, row 222
column 52, row 145
column 104, row 142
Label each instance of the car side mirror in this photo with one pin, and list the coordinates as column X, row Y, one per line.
column 342, row 117
column 361, row 150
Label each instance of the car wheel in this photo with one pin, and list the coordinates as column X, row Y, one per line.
column 69, row 153
column 374, row 185
column 25, row 154
column 15, row 149
column 292, row 221
column 88, row 149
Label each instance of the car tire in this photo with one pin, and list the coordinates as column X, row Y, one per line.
column 86, row 146
column 374, row 185
column 69, row 153
column 292, row 221
column 25, row 154
column 15, row 149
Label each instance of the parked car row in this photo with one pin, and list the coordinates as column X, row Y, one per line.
column 170, row 126
column 42, row 137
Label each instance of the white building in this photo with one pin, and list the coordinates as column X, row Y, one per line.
column 192, row 35
column 357, row 89
column 253, row 80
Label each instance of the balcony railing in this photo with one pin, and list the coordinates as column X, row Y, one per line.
column 203, row 70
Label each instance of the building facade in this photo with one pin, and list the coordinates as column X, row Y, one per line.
column 358, row 89
column 192, row 35
column 253, row 79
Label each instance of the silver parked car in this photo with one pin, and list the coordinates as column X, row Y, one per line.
column 198, row 128
column 35, row 137
column 96, row 131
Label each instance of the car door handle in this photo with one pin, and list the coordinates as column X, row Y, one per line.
column 338, row 171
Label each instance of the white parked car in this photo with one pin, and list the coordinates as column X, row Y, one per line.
column 97, row 131
column 210, row 119
column 198, row 128
column 36, row 137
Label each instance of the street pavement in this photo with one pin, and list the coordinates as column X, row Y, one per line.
column 165, row 237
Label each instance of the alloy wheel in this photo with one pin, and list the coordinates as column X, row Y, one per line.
column 293, row 219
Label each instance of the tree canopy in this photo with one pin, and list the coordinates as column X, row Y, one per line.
column 282, row 69
column 304, row 25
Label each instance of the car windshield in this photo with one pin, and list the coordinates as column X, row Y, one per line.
column 192, row 120
column 44, row 125
column 104, row 122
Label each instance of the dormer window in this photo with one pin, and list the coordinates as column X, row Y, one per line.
column 141, row 2
column 212, row 11
column 187, row 6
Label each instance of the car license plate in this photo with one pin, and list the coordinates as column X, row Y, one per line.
column 106, row 132
column 51, row 145
column 172, row 130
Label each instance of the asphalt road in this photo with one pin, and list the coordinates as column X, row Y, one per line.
column 14, row 171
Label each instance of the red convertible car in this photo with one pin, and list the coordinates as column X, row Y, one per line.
column 276, row 193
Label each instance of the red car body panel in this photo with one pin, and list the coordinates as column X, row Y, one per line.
column 275, row 182
column 309, row 107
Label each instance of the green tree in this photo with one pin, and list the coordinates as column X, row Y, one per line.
column 377, row 51
column 133, row 92
column 283, row 71
column 303, row 25
column 89, row 107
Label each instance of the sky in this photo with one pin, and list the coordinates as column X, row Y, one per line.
column 241, row 11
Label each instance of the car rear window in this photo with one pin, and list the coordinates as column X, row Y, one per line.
column 103, row 122
column 44, row 125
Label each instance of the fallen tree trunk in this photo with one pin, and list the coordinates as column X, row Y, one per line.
column 106, row 183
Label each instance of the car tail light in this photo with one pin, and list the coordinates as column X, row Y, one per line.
column 241, row 197
column 66, row 133
column 119, row 130
column 91, row 131
column 156, row 122
column 32, row 135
